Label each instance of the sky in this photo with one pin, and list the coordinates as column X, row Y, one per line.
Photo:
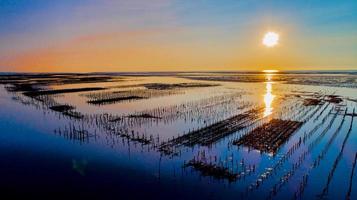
column 176, row 35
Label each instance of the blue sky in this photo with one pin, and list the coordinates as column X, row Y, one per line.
column 79, row 35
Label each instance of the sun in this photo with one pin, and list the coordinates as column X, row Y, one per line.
column 270, row 71
column 270, row 39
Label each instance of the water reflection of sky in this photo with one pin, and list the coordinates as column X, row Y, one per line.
column 138, row 166
column 268, row 96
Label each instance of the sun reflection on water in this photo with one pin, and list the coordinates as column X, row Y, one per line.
column 268, row 97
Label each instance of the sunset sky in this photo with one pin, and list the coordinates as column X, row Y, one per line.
column 176, row 35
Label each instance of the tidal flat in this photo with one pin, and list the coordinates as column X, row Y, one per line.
column 179, row 135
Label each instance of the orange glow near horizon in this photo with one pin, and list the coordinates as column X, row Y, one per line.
column 142, row 51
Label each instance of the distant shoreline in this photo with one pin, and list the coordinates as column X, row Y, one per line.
column 165, row 73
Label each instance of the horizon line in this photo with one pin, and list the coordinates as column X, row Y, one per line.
column 178, row 71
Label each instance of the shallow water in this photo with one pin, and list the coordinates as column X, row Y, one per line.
column 38, row 158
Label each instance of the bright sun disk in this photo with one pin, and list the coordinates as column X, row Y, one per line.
column 271, row 39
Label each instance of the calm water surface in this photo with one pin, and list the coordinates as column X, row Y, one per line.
column 36, row 160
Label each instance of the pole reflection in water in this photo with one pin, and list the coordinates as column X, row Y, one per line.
column 268, row 97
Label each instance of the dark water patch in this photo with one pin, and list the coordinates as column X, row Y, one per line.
column 134, row 116
column 333, row 99
column 208, row 169
column 67, row 110
column 114, row 100
column 312, row 102
column 61, row 91
column 164, row 86
column 111, row 97
column 318, row 99
column 144, row 115
column 228, row 78
column 20, row 88
column 62, row 108
column 226, row 168
column 57, row 79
